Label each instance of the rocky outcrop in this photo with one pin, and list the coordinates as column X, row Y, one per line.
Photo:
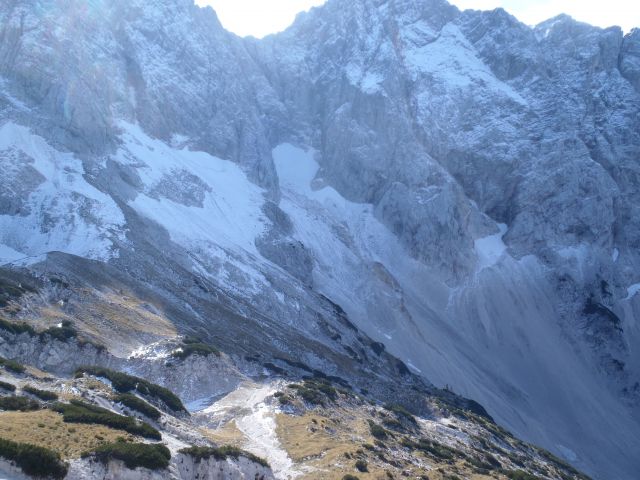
column 61, row 357
column 212, row 469
column 113, row 470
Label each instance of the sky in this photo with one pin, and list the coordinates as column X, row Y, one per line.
column 261, row 17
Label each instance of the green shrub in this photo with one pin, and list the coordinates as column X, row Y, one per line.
column 7, row 386
column 361, row 466
column 10, row 289
column 137, row 404
column 34, row 461
column 64, row 333
column 80, row 412
column 12, row 366
column 16, row 328
column 41, row 394
column 124, row 383
column 561, row 464
column 316, row 391
column 401, row 412
column 348, row 476
column 221, row 453
column 377, row 431
column 189, row 339
column 283, row 398
column 436, row 449
column 134, row 455
column 519, row 475
column 393, row 424
column 22, row 404
column 188, row 349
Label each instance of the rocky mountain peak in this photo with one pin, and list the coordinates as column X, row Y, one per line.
column 388, row 191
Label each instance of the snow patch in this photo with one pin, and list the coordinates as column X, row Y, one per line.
column 368, row 82
column 65, row 213
column 256, row 420
column 489, row 249
column 632, row 290
column 230, row 215
column 198, row 404
column 413, row 367
column 8, row 254
column 453, row 61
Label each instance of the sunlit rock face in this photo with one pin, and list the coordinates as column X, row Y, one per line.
column 463, row 186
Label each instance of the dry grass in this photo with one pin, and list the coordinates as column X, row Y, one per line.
column 46, row 429
column 119, row 321
column 327, row 444
column 329, row 447
column 229, row 434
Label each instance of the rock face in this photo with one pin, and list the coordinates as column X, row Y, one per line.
column 113, row 470
column 185, row 469
column 464, row 187
column 211, row 469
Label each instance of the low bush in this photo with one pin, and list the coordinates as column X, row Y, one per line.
column 45, row 395
column 519, row 475
column 33, row 460
column 348, row 476
column 188, row 349
column 361, row 466
column 12, row 366
column 7, row 386
column 401, row 412
column 377, row 431
column 561, row 464
column 22, row 404
column 81, row 412
column 10, row 289
column 222, row 453
column 16, row 328
column 137, row 404
column 64, row 332
column 124, row 383
column 134, row 455
column 316, row 391
column 435, row 449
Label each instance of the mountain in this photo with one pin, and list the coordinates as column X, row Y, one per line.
column 394, row 193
